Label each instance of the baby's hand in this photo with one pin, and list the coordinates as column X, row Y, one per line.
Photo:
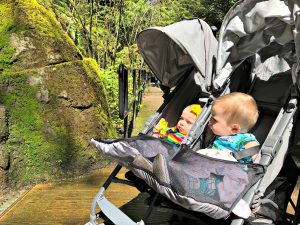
column 155, row 133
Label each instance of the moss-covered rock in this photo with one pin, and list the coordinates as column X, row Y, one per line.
column 4, row 133
column 34, row 34
column 52, row 101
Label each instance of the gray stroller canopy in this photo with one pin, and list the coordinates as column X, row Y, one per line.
column 251, row 26
column 173, row 51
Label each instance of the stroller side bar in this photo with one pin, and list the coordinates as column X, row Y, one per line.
column 202, row 121
column 274, row 141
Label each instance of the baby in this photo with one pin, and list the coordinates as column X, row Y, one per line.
column 177, row 134
column 232, row 116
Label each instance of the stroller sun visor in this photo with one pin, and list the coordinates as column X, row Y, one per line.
column 173, row 51
column 251, row 26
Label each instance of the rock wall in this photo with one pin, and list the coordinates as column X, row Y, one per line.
column 52, row 101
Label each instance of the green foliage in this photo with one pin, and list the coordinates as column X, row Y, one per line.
column 214, row 11
column 169, row 11
column 110, row 80
column 102, row 29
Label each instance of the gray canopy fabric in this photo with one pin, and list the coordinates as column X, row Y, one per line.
column 251, row 25
column 173, row 51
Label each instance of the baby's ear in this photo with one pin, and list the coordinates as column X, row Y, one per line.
column 235, row 128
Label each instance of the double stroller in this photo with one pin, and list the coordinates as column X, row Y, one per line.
column 257, row 53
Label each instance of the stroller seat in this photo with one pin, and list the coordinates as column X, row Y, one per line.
column 270, row 96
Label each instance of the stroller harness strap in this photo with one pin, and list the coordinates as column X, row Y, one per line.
column 245, row 153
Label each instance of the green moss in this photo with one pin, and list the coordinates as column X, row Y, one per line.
column 7, row 24
column 32, row 15
column 92, row 70
column 93, row 73
column 36, row 154
column 26, row 125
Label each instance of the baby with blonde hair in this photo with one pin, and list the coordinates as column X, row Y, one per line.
column 232, row 116
column 237, row 109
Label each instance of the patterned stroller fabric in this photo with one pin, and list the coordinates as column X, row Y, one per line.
column 194, row 181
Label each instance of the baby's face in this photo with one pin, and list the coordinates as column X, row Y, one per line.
column 217, row 123
column 186, row 121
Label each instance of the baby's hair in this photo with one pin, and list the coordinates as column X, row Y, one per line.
column 238, row 108
column 195, row 109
